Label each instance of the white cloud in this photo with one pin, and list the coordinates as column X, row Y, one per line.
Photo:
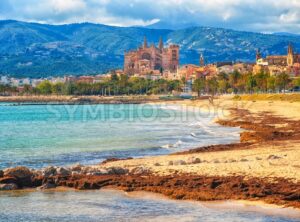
column 67, row 5
column 252, row 15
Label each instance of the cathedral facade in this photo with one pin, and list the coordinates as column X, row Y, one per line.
column 276, row 64
column 282, row 60
column 149, row 59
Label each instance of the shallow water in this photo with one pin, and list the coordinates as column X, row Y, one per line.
column 116, row 206
column 42, row 135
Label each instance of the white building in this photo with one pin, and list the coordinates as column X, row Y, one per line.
column 4, row 80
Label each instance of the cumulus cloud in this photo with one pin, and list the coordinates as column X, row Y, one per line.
column 251, row 15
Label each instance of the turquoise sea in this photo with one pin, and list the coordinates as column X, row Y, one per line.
column 41, row 135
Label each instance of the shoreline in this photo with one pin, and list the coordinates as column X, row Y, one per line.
column 73, row 100
column 261, row 131
column 240, row 205
column 223, row 205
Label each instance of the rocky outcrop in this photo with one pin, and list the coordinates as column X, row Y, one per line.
column 117, row 171
column 63, row 171
column 179, row 186
column 47, row 186
column 140, row 170
column 21, row 174
column 49, row 171
column 193, row 160
column 18, row 172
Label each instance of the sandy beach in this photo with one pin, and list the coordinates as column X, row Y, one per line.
column 275, row 158
column 269, row 148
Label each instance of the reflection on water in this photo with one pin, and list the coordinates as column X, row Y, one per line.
column 114, row 206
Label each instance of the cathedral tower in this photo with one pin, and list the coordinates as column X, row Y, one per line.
column 258, row 55
column 145, row 43
column 290, row 56
column 202, row 63
column 161, row 44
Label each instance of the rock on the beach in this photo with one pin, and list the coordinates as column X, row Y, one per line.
column 76, row 168
column 63, row 171
column 1, row 173
column 37, row 180
column 193, row 160
column 22, row 174
column 179, row 162
column 274, row 157
column 117, row 170
column 140, row 170
column 96, row 171
column 86, row 170
column 49, row 171
column 47, row 186
column 18, row 172
column 9, row 186
column 171, row 163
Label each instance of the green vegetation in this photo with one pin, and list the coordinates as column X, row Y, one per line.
column 236, row 83
column 115, row 86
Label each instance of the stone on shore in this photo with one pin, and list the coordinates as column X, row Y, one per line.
column 76, row 168
column 179, row 162
column 49, row 171
column 193, row 160
column 63, row 172
column 117, row 170
column 18, row 172
column 1, row 173
column 47, row 186
column 9, row 186
column 140, row 170
column 22, row 174
column 274, row 157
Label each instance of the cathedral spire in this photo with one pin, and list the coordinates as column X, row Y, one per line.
column 202, row 60
column 161, row 44
column 290, row 56
column 145, row 43
column 290, row 49
column 258, row 54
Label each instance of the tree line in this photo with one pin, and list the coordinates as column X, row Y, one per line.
column 238, row 83
column 123, row 85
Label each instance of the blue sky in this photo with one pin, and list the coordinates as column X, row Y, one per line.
column 250, row 15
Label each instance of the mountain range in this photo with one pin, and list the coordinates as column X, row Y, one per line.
column 40, row 50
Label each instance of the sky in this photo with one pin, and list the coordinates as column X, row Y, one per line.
column 265, row 16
